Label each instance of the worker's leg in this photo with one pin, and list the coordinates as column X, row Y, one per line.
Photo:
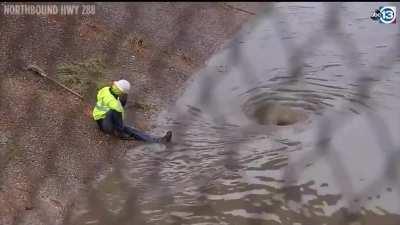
column 112, row 122
column 138, row 135
column 106, row 124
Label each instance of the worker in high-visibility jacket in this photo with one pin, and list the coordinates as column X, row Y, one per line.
column 109, row 113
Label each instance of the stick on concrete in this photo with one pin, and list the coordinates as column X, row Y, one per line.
column 41, row 73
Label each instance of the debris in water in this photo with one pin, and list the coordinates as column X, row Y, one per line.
column 324, row 185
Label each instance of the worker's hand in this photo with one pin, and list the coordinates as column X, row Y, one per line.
column 123, row 99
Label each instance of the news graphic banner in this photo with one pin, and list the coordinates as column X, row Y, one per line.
column 11, row 9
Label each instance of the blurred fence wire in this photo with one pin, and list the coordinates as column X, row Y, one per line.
column 332, row 31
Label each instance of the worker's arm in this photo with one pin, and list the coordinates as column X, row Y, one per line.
column 117, row 111
column 123, row 99
column 118, row 123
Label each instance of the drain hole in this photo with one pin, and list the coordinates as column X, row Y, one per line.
column 283, row 123
column 276, row 114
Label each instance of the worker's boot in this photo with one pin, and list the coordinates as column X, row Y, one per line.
column 124, row 136
column 167, row 137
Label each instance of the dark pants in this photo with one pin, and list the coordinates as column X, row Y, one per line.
column 113, row 123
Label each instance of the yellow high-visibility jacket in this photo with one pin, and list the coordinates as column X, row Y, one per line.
column 105, row 102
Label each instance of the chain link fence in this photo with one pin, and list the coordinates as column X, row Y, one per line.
column 367, row 77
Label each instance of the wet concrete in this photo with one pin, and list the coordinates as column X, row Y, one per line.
column 246, row 147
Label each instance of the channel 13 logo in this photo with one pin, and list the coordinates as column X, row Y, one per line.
column 385, row 14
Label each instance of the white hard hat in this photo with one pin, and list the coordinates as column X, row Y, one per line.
column 123, row 85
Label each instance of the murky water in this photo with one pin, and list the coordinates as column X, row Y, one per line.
column 243, row 121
